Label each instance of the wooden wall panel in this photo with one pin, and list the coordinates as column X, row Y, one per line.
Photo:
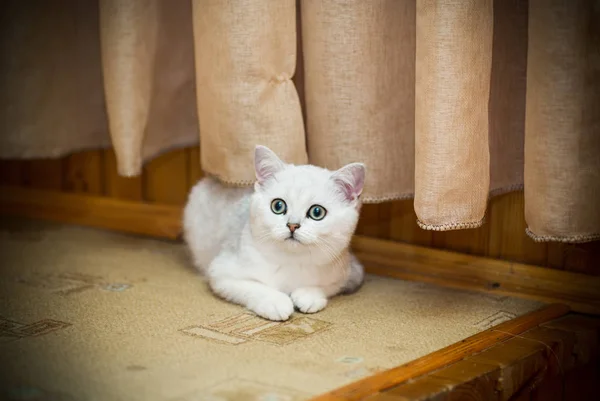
column 11, row 172
column 165, row 179
column 403, row 225
column 474, row 241
column 129, row 188
column 578, row 258
column 43, row 174
column 507, row 225
column 84, row 172
column 168, row 179
column 375, row 221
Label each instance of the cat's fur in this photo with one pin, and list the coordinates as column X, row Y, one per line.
column 245, row 249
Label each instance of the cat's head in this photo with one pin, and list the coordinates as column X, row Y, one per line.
column 301, row 207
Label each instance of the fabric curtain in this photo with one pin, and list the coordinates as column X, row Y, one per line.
column 446, row 101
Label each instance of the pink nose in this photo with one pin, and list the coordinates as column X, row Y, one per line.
column 293, row 227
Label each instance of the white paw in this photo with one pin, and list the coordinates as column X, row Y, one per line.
column 276, row 306
column 309, row 300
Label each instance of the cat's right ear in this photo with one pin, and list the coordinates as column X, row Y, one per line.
column 266, row 164
column 350, row 181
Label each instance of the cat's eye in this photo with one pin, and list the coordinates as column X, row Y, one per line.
column 317, row 212
column 278, row 206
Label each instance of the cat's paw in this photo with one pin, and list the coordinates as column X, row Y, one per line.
column 277, row 306
column 309, row 300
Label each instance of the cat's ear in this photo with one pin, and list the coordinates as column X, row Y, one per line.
column 266, row 164
column 350, row 180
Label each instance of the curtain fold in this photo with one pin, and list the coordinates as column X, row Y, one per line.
column 453, row 73
column 449, row 101
column 359, row 81
column 562, row 143
column 245, row 59
column 148, row 64
column 128, row 36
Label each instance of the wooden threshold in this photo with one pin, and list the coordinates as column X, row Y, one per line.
column 388, row 379
column 388, row 258
column 555, row 361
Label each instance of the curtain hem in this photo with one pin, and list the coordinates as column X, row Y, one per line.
column 450, row 226
column 222, row 180
column 388, row 198
column 574, row 239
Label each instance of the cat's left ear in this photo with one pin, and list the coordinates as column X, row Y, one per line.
column 350, row 180
column 266, row 164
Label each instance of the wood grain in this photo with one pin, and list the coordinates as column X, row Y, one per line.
column 161, row 183
column 43, row 174
column 581, row 258
column 473, row 241
column 410, row 262
column 11, row 172
column 403, row 225
column 519, row 360
column 126, row 188
column 84, row 172
column 446, row 356
column 375, row 221
column 539, row 364
column 507, row 215
column 132, row 217
column 470, row 380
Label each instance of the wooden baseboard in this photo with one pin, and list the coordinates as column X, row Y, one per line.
column 404, row 261
column 150, row 219
column 409, row 262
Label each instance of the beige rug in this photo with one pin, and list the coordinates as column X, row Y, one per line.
column 93, row 315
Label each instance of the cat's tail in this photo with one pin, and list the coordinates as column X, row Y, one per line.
column 205, row 216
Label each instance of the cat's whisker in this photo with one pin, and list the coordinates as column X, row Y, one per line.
column 326, row 246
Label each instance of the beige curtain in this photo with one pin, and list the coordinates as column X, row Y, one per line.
column 446, row 101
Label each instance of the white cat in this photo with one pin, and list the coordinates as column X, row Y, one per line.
column 283, row 244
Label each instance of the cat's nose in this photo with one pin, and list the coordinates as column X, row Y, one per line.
column 293, row 227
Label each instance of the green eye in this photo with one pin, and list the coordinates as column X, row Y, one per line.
column 317, row 212
column 278, row 206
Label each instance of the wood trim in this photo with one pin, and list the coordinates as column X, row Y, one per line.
column 381, row 257
column 409, row 262
column 444, row 357
column 558, row 358
column 75, row 208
